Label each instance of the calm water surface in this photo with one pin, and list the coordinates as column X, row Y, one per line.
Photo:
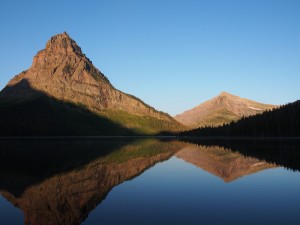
column 149, row 181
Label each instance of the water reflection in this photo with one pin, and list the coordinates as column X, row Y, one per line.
column 62, row 181
column 222, row 162
column 282, row 152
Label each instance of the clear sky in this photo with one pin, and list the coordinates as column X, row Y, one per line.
column 173, row 54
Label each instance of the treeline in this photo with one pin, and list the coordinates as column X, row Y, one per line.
column 280, row 122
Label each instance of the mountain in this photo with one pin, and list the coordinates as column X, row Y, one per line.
column 221, row 109
column 280, row 122
column 63, row 93
column 222, row 162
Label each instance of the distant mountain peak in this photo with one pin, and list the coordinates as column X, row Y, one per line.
column 224, row 93
column 221, row 109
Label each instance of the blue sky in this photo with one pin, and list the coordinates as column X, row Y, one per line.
column 172, row 54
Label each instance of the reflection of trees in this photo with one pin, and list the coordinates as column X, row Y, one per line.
column 282, row 152
column 66, row 195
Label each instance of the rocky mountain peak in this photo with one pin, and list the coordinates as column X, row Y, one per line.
column 62, row 43
column 58, row 66
column 61, row 71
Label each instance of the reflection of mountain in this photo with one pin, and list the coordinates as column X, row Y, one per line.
column 61, row 181
column 68, row 197
column 222, row 162
column 279, row 151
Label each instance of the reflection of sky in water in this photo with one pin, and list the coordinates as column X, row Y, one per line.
column 175, row 192
column 9, row 215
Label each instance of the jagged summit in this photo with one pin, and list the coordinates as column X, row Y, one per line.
column 59, row 69
column 221, row 109
column 63, row 43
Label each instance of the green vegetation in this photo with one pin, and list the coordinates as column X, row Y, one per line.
column 140, row 124
column 44, row 116
column 218, row 118
column 143, row 148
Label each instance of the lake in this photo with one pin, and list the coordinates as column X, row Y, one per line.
column 149, row 181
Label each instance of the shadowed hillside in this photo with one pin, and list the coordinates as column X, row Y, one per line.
column 41, row 115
